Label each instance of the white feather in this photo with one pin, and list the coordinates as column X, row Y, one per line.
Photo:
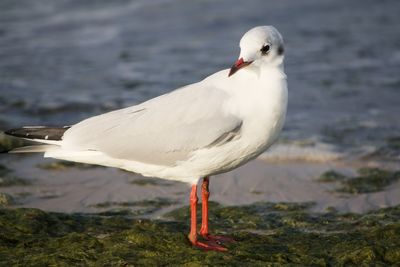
column 202, row 129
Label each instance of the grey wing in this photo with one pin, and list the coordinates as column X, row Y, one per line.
column 161, row 131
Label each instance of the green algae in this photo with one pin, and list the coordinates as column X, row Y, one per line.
column 149, row 181
column 61, row 165
column 12, row 181
column 331, row 176
column 143, row 207
column 393, row 142
column 267, row 234
column 367, row 180
column 256, row 192
column 156, row 202
column 49, row 195
column 389, row 151
column 6, row 199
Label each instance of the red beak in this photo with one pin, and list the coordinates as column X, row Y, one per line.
column 240, row 63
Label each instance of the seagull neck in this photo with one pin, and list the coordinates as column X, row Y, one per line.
column 267, row 71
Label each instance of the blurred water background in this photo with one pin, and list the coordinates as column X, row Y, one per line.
column 63, row 61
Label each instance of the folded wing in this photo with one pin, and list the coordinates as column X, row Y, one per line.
column 161, row 131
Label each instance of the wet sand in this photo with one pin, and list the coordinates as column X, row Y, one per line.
column 91, row 189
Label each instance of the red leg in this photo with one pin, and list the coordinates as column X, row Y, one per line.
column 206, row 245
column 205, row 194
column 204, row 231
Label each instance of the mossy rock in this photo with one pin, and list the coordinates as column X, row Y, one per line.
column 61, row 165
column 368, row 180
column 266, row 235
column 394, row 142
column 6, row 199
column 390, row 151
column 331, row 176
column 146, row 181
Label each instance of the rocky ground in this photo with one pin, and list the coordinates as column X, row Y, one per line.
column 146, row 225
column 266, row 234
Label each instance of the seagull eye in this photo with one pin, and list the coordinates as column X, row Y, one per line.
column 265, row 49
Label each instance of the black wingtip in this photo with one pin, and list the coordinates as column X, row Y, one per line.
column 38, row 132
column 5, row 150
column 10, row 132
column 16, row 132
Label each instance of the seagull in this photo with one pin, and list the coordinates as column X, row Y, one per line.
column 194, row 132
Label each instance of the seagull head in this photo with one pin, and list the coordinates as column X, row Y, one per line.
column 261, row 46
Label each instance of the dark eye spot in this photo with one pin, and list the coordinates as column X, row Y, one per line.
column 265, row 49
column 281, row 50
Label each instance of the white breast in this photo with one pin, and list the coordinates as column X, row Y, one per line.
column 261, row 104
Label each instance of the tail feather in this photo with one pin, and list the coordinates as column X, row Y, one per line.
column 50, row 138
column 39, row 132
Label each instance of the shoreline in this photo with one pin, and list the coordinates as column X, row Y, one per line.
column 63, row 187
